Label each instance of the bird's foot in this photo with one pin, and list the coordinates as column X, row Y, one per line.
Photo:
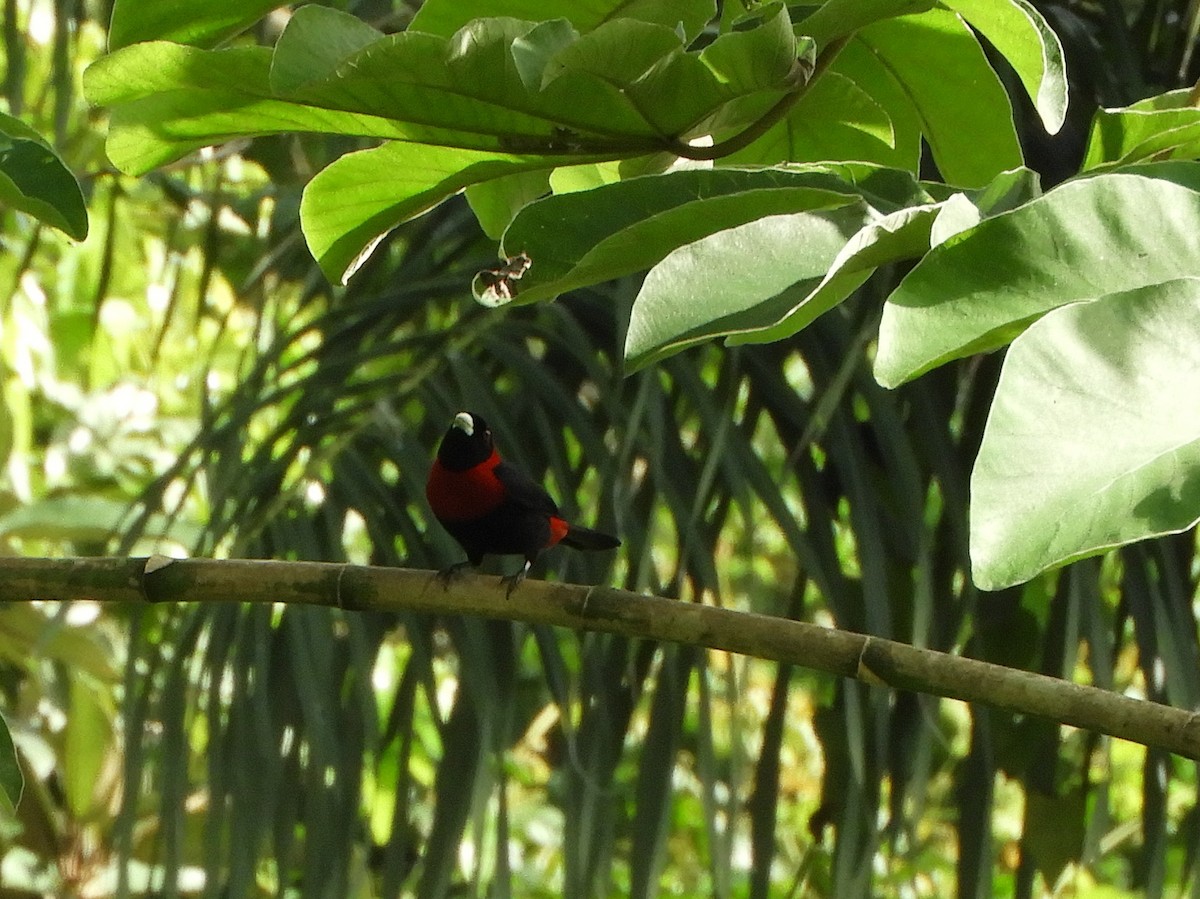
column 450, row 572
column 514, row 580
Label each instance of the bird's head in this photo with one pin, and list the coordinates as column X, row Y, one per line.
column 467, row 443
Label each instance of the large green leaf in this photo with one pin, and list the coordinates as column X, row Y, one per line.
column 203, row 23
column 729, row 83
column 471, row 83
column 616, row 229
column 760, row 310
column 835, row 19
column 502, row 85
column 445, row 17
column 168, row 100
column 1018, row 31
column 859, row 64
column 34, row 180
column 835, row 120
column 963, row 110
column 1093, row 439
column 1083, row 240
column 315, row 42
column 901, row 235
column 355, row 200
column 1163, row 125
column 673, row 311
column 722, row 283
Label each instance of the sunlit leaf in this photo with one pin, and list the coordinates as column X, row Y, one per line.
column 1093, row 439
column 203, row 23
column 842, row 18
column 352, row 203
column 1082, row 240
column 901, row 235
column 835, row 120
column 1157, row 127
column 1022, row 35
column 315, row 42
column 616, row 229
column 719, row 284
column 445, row 17
column 82, row 518
column 966, row 117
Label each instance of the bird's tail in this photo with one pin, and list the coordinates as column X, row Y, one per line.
column 585, row 538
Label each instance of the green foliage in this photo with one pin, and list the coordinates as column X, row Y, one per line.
column 1166, row 126
column 186, row 381
column 34, row 180
column 12, row 781
column 1115, row 241
column 202, row 25
column 504, row 98
column 1131, row 353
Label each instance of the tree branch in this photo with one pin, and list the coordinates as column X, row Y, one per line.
column 845, row 654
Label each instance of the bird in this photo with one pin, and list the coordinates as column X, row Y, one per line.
column 493, row 508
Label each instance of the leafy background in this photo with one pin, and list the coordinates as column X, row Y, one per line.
column 185, row 379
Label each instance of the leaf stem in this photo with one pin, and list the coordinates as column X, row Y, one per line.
column 760, row 127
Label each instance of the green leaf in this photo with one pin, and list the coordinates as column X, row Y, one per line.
column 85, row 519
column 1007, row 191
column 26, row 631
column 842, row 18
column 12, row 781
column 859, row 64
column 470, row 87
column 466, row 92
column 1164, row 124
column 1093, row 439
column 316, row 40
column 168, row 100
column 34, row 180
column 472, row 84
column 589, row 236
column 87, row 740
column 1082, row 240
column 749, row 58
column 728, row 282
column 905, row 234
column 835, row 120
column 203, row 23
column 729, row 83
column 357, row 199
column 533, row 52
column 495, row 202
column 619, row 51
column 963, row 110
column 445, row 17
column 1026, row 40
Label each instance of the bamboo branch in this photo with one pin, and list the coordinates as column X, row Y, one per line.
column 845, row 654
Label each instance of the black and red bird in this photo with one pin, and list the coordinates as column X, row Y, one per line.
column 492, row 508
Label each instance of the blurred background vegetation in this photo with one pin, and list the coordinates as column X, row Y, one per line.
column 185, row 381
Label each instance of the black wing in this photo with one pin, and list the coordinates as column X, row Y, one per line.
column 524, row 491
